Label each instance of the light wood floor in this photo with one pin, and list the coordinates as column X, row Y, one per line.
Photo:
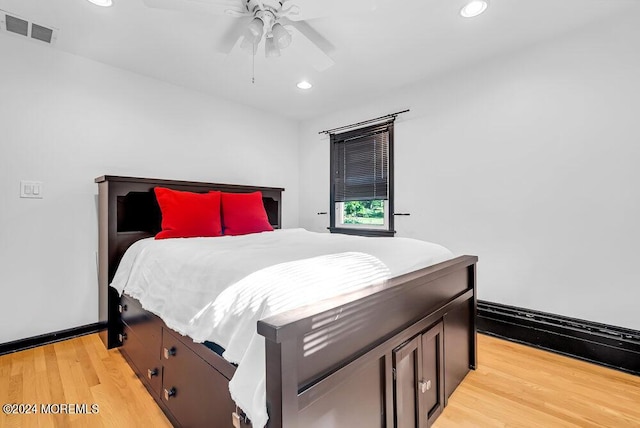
column 519, row 386
column 76, row 371
column 514, row 386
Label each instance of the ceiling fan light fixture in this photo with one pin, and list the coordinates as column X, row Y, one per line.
column 271, row 48
column 281, row 35
column 256, row 27
column 474, row 8
column 103, row 3
column 249, row 43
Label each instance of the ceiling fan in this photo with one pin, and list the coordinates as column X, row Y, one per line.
column 277, row 22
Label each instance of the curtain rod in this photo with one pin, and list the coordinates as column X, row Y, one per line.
column 366, row 122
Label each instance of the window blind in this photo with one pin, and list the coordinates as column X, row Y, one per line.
column 361, row 166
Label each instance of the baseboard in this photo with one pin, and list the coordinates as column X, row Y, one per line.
column 607, row 345
column 43, row 339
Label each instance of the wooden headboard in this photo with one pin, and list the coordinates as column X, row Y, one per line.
column 128, row 211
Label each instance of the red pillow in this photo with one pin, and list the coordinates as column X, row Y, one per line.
column 188, row 214
column 243, row 213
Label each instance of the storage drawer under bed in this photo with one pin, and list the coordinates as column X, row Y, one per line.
column 195, row 392
column 145, row 325
column 147, row 361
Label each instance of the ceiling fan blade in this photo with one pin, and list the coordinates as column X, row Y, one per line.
column 310, row 33
column 310, row 45
column 233, row 33
column 214, row 7
column 311, row 9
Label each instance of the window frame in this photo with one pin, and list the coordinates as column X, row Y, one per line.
column 363, row 230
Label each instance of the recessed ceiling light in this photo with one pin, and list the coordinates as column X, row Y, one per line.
column 304, row 85
column 474, row 8
column 103, row 3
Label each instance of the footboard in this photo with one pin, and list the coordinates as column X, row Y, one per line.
column 387, row 356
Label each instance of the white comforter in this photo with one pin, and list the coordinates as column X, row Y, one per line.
column 216, row 289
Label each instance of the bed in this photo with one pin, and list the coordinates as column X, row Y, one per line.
column 391, row 353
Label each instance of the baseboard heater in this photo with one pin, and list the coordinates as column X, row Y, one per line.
column 45, row 339
column 607, row 345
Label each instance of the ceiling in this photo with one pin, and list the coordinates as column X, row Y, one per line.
column 385, row 45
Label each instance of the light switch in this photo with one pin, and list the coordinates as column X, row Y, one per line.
column 31, row 189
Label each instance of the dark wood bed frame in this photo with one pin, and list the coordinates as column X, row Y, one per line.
column 387, row 356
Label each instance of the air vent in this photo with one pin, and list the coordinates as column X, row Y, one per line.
column 14, row 24
column 17, row 25
column 41, row 33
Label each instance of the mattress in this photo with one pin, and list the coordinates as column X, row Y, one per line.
column 216, row 289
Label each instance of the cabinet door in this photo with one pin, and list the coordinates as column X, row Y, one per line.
column 407, row 371
column 419, row 379
column 431, row 383
column 457, row 342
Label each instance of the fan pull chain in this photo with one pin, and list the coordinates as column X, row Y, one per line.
column 253, row 64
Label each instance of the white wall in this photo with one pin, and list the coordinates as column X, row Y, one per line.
column 66, row 120
column 529, row 161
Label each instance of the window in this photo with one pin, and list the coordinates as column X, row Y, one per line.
column 362, row 181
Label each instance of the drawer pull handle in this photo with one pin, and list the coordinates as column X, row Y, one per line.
column 122, row 337
column 152, row 372
column 169, row 352
column 122, row 308
column 235, row 420
column 424, row 386
column 168, row 393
